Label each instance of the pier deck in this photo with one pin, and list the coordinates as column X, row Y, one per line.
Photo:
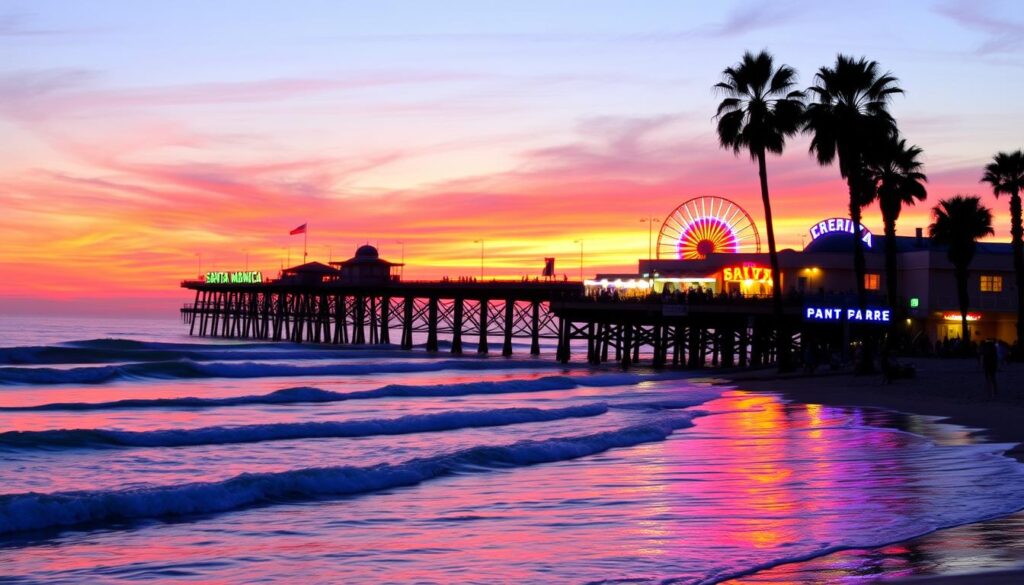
column 677, row 334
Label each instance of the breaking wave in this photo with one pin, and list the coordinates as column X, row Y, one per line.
column 416, row 423
column 34, row 511
column 97, row 351
column 313, row 395
column 185, row 369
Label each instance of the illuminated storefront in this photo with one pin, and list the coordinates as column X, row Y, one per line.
column 926, row 305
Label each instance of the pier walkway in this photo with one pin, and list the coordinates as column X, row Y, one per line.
column 667, row 332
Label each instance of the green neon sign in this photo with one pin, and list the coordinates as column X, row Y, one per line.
column 915, row 302
column 246, row 277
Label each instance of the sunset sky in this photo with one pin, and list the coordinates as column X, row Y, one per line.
column 140, row 138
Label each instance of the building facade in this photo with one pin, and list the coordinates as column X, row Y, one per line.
column 927, row 294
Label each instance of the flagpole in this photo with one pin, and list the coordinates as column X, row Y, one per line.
column 305, row 240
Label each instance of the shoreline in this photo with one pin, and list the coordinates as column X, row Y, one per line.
column 952, row 390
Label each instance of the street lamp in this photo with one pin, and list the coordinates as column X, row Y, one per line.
column 199, row 256
column 246, row 260
column 481, row 242
column 330, row 253
column 650, row 221
column 580, row 242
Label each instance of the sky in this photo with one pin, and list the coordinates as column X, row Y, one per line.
column 145, row 142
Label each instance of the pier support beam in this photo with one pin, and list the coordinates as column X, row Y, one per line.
column 407, row 324
column 385, row 320
column 432, row 324
column 627, row 346
column 506, row 347
column 457, row 319
column 481, row 347
column 535, row 328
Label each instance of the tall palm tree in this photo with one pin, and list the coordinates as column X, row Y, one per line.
column 959, row 222
column 847, row 119
column 759, row 112
column 894, row 173
column 1006, row 175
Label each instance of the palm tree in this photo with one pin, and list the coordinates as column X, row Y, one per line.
column 848, row 119
column 760, row 111
column 894, row 173
column 1006, row 175
column 959, row 222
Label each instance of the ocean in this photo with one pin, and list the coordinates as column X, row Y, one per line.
column 131, row 452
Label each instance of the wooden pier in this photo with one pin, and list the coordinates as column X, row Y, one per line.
column 665, row 334
column 337, row 313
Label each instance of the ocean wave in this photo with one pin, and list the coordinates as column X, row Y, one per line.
column 306, row 394
column 135, row 351
column 186, row 369
column 35, row 511
column 219, row 435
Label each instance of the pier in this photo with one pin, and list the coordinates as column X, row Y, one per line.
column 358, row 314
column 737, row 333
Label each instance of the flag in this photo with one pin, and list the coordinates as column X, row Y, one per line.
column 299, row 230
column 549, row 267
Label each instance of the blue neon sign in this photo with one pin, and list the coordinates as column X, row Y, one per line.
column 850, row 314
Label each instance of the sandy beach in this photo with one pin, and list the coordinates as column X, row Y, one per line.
column 950, row 388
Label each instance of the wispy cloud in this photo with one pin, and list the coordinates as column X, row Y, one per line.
column 1002, row 33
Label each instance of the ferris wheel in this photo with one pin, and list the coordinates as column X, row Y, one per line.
column 707, row 225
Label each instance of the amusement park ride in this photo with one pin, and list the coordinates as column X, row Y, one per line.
column 707, row 225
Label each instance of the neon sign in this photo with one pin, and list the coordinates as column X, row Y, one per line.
column 234, row 277
column 951, row 316
column 852, row 315
column 834, row 225
column 747, row 272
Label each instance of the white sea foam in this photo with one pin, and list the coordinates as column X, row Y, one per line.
column 185, row 369
column 34, row 511
column 415, row 423
column 305, row 394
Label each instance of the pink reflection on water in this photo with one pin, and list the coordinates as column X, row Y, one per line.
column 758, row 482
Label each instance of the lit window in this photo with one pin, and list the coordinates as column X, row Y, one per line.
column 872, row 281
column 991, row 283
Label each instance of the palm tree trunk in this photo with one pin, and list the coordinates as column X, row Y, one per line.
column 1017, row 239
column 892, row 288
column 961, row 292
column 859, row 266
column 782, row 336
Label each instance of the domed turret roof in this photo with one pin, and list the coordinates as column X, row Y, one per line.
column 367, row 252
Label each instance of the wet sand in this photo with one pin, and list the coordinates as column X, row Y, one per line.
column 985, row 553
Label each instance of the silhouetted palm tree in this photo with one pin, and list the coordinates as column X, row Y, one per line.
column 849, row 118
column 894, row 173
column 959, row 222
column 1006, row 175
column 760, row 111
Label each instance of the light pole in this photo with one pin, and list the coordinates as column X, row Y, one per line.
column 481, row 242
column 402, row 268
column 199, row 256
column 650, row 221
column 580, row 242
column 247, row 260
column 330, row 253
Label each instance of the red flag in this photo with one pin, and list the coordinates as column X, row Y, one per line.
column 299, row 230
